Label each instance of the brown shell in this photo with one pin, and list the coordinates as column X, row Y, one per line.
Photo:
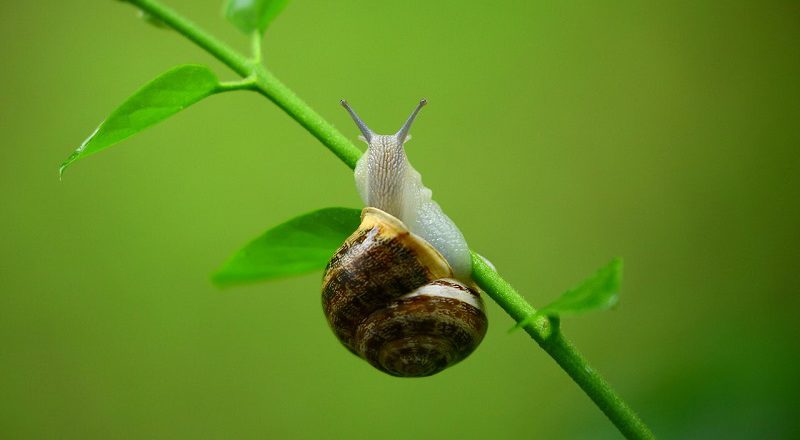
column 390, row 298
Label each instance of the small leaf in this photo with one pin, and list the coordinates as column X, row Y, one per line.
column 599, row 292
column 301, row 245
column 166, row 95
column 253, row 15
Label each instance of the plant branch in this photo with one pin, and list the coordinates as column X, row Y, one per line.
column 267, row 84
column 188, row 29
column 255, row 46
column 285, row 98
column 545, row 331
column 248, row 83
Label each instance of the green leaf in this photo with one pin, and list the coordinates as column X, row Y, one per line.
column 301, row 245
column 598, row 292
column 253, row 15
column 166, row 95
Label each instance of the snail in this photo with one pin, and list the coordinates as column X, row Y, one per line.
column 398, row 293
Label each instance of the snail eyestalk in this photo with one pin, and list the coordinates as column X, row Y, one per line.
column 402, row 134
column 361, row 125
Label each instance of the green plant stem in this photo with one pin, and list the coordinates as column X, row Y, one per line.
column 284, row 97
column 266, row 83
column 188, row 29
column 255, row 46
column 230, row 86
column 545, row 331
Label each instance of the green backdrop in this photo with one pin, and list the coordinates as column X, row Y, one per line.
column 558, row 135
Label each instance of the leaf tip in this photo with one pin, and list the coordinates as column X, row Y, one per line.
column 63, row 167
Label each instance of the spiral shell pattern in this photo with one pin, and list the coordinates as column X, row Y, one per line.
column 391, row 299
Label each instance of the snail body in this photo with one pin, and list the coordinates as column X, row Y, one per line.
column 398, row 292
column 386, row 180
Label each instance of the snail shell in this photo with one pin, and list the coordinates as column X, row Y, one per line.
column 392, row 299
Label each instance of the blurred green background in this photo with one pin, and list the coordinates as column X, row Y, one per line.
column 558, row 135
